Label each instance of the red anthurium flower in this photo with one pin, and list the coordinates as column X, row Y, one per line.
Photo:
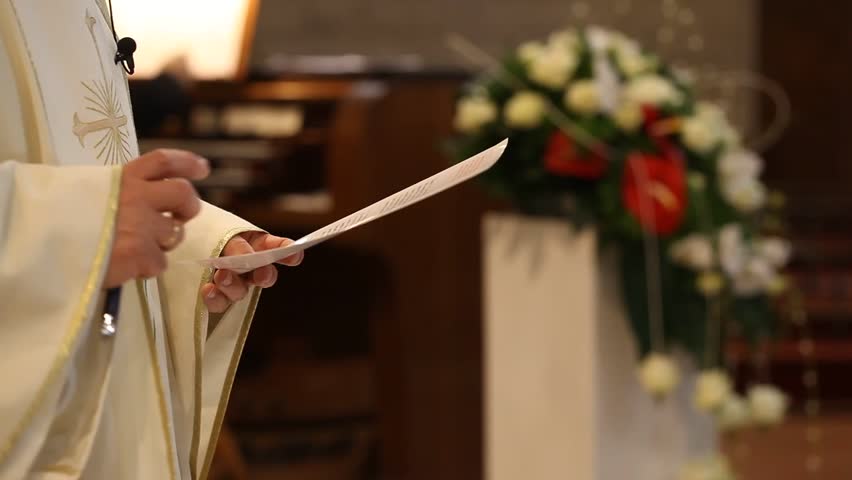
column 650, row 114
column 565, row 160
column 654, row 191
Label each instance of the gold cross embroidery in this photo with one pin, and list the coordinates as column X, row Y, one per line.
column 102, row 102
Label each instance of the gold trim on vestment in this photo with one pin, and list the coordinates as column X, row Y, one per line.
column 81, row 313
column 229, row 382
column 29, row 111
column 158, row 381
column 206, row 277
column 62, row 469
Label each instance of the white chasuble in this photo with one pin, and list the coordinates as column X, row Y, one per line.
column 146, row 403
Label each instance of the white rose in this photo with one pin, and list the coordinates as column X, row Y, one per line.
column 731, row 139
column 633, row 65
column 564, row 39
column 525, row 110
column 709, row 284
column 628, row 117
column 714, row 468
column 651, row 90
column 624, row 45
column 734, row 414
column 711, row 390
column 746, row 194
column 694, row 251
column 755, row 277
column 768, row 405
column 630, row 58
column 732, row 250
column 775, row 250
column 530, row 51
column 740, row 164
column 474, row 112
column 583, row 97
column 600, row 38
column 699, row 135
column 658, row 374
column 711, row 113
column 553, row 68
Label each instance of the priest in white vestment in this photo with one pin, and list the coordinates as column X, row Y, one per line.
column 78, row 400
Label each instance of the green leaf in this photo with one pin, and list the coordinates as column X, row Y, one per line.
column 634, row 291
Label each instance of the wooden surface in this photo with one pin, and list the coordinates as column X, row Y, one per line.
column 429, row 344
column 784, row 453
column 806, row 48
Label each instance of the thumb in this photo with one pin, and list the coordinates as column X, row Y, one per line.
column 237, row 246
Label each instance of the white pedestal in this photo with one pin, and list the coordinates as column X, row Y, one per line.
column 562, row 398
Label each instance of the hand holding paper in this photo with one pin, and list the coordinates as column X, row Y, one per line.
column 437, row 183
column 226, row 287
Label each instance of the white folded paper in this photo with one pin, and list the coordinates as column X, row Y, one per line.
column 419, row 191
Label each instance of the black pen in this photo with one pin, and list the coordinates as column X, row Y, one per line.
column 110, row 320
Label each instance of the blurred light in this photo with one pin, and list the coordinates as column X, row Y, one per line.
column 670, row 8
column 580, row 10
column 665, row 35
column 695, row 43
column 623, row 7
column 208, row 33
column 686, row 17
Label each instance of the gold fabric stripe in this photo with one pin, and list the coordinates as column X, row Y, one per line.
column 80, row 314
column 62, row 469
column 198, row 335
column 229, row 382
column 158, row 381
column 37, row 150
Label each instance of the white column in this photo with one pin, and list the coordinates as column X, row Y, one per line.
column 562, row 399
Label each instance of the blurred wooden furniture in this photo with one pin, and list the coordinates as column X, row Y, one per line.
column 365, row 362
column 784, row 453
column 229, row 462
column 811, row 164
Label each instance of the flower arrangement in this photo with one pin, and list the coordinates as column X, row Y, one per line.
column 604, row 133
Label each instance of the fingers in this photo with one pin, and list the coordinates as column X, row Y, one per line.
column 214, row 300
column 237, row 246
column 230, row 285
column 149, row 262
column 264, row 277
column 166, row 163
column 167, row 231
column 154, row 263
column 293, row 260
column 177, row 196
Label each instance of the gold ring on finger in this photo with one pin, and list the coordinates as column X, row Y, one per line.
column 174, row 237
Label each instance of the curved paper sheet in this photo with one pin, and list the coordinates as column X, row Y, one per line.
column 437, row 183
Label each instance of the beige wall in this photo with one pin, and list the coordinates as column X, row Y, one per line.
column 393, row 27
column 726, row 29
